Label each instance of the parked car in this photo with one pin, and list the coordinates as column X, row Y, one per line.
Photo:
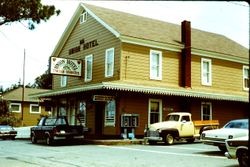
column 55, row 129
column 238, row 149
column 7, row 132
column 232, row 129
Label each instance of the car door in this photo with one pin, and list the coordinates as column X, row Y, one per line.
column 186, row 126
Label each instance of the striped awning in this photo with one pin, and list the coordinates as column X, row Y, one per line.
column 118, row 86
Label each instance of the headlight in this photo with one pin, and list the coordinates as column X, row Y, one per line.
column 230, row 137
column 159, row 130
column 203, row 135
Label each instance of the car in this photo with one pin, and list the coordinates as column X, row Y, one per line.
column 7, row 132
column 232, row 129
column 237, row 148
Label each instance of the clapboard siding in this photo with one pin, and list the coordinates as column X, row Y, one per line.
column 89, row 31
column 136, row 65
column 226, row 76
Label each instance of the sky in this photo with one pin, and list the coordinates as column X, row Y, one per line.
column 230, row 19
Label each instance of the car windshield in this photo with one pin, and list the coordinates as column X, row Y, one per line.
column 5, row 128
column 237, row 124
column 172, row 118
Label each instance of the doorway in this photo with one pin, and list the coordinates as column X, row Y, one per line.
column 99, row 110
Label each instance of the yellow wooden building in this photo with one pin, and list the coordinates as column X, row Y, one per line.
column 26, row 109
column 136, row 70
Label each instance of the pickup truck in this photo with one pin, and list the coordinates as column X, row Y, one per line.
column 178, row 126
column 54, row 129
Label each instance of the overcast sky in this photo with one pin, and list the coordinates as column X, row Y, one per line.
column 230, row 19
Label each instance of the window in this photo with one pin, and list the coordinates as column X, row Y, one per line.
column 206, row 72
column 155, row 65
column 155, row 111
column 82, row 112
column 83, row 17
column 109, row 62
column 245, row 77
column 110, row 110
column 63, row 81
column 88, row 67
column 206, row 111
column 35, row 108
column 15, row 107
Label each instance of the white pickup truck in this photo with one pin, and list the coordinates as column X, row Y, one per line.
column 178, row 126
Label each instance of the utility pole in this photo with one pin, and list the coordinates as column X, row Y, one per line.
column 23, row 87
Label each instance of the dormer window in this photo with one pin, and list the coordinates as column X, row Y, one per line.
column 83, row 17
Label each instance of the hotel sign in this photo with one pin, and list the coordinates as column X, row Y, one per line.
column 102, row 98
column 64, row 66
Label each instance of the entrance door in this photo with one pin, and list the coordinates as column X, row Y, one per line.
column 99, row 109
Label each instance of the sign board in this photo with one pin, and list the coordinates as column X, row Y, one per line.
column 63, row 66
column 102, row 98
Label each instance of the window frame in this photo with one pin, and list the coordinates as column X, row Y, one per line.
column 209, row 73
column 35, row 105
column 88, row 58
column 64, row 80
column 243, row 77
column 158, row 66
column 111, row 73
column 83, row 17
column 149, row 109
column 210, row 112
column 19, row 105
column 107, row 118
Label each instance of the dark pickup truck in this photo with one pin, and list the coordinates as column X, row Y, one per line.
column 54, row 129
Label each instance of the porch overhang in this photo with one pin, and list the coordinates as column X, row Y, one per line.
column 128, row 87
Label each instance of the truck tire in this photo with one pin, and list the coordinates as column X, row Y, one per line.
column 33, row 139
column 49, row 141
column 169, row 139
column 190, row 140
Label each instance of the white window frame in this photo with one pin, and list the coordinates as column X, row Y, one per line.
column 89, row 69
column 245, row 77
column 154, row 67
column 35, row 105
column 149, row 109
column 64, row 80
column 210, row 112
column 206, row 76
column 110, row 119
column 109, row 62
column 83, row 17
column 18, row 104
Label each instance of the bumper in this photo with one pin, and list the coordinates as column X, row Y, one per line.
column 68, row 137
column 153, row 138
column 214, row 143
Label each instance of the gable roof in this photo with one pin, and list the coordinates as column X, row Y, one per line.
column 154, row 33
column 16, row 94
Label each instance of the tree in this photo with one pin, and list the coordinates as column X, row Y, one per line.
column 25, row 10
column 7, row 117
column 44, row 81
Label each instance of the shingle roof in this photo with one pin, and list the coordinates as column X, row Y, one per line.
column 16, row 94
column 154, row 30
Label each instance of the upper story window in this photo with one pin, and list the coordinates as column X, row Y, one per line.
column 15, row 107
column 246, row 77
column 109, row 62
column 35, row 108
column 83, row 17
column 110, row 110
column 155, row 65
column 88, row 67
column 206, row 72
column 206, row 111
column 63, row 80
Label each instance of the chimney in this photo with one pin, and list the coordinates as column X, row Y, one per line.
column 186, row 54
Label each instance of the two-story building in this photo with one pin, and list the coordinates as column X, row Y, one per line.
column 26, row 109
column 136, row 70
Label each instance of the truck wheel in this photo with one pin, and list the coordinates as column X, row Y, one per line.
column 33, row 139
column 169, row 139
column 49, row 141
column 190, row 140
